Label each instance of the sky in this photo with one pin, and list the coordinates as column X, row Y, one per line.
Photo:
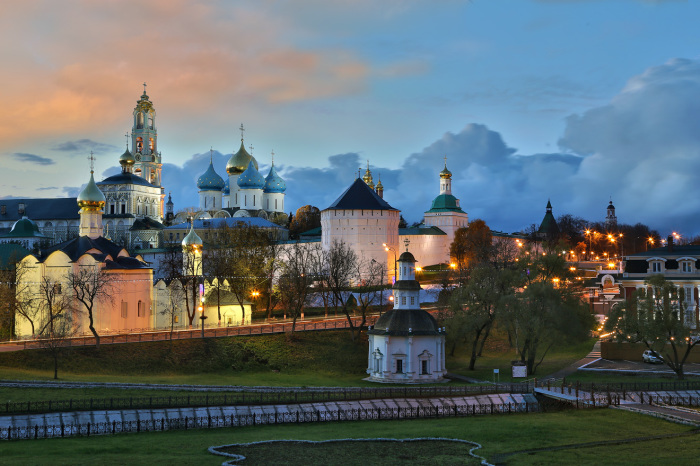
column 577, row 102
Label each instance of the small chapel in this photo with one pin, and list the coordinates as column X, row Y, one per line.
column 406, row 345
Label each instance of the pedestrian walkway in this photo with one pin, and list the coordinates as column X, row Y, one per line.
column 592, row 356
column 47, row 423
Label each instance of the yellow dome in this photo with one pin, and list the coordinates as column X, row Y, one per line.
column 239, row 161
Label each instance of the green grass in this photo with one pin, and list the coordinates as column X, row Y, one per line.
column 311, row 359
column 498, row 355
column 497, row 434
column 422, row 452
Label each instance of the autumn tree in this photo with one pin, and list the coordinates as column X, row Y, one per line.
column 92, row 286
column 306, row 218
column 472, row 245
column 659, row 318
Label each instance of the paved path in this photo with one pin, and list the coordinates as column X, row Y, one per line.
column 593, row 356
column 25, row 421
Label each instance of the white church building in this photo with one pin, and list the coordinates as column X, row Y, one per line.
column 406, row 345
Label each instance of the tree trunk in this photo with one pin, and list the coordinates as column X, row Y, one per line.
column 55, row 364
column 472, row 360
column 91, row 326
column 486, row 335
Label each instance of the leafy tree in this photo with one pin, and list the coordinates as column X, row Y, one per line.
column 659, row 318
column 92, row 286
column 571, row 229
column 472, row 245
column 245, row 254
column 476, row 305
column 544, row 315
column 306, row 218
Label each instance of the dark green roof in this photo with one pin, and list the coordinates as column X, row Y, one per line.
column 398, row 322
column 549, row 225
column 421, row 231
column 445, row 203
column 24, row 228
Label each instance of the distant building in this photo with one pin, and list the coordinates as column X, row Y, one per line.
column 549, row 230
column 610, row 218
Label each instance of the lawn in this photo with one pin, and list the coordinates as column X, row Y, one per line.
column 497, row 434
column 498, row 355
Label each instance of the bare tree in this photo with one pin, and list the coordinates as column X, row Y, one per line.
column 56, row 322
column 16, row 296
column 340, row 270
column 176, row 294
column 92, row 286
column 296, row 279
column 370, row 289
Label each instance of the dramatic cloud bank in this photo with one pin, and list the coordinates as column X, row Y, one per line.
column 642, row 150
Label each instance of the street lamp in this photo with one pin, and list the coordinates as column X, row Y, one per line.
column 650, row 240
column 201, row 312
column 388, row 248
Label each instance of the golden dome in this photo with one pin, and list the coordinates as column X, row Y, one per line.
column 239, row 161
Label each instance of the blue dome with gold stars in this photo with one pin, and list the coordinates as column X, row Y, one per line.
column 210, row 180
column 273, row 182
column 251, row 178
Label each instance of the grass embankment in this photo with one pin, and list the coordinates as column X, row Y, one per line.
column 311, row 358
column 497, row 354
column 497, row 434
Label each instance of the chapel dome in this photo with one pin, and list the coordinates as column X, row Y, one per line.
column 239, row 161
column 445, row 173
column 210, row 180
column 407, row 257
column 91, row 196
column 192, row 238
column 24, row 227
column 251, row 178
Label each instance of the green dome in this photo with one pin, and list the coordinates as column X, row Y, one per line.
column 24, row 228
column 91, row 196
column 445, row 203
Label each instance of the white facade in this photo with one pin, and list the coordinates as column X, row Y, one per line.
column 406, row 345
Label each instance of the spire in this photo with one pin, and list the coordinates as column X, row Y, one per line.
column 211, row 154
column 242, row 131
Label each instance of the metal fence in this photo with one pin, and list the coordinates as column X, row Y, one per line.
column 259, row 397
column 676, row 385
column 208, row 422
column 145, row 335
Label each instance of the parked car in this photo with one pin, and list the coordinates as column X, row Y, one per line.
column 652, row 357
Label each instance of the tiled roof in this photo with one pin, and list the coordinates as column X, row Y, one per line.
column 230, row 221
column 62, row 208
column 359, row 196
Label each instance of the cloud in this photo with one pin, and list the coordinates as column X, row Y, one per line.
column 33, row 158
column 84, row 145
column 48, row 188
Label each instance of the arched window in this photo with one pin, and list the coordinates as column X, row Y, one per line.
column 139, row 120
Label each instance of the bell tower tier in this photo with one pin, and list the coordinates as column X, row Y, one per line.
column 144, row 145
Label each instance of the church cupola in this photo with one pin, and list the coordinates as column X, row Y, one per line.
column 368, row 177
column 380, row 188
column 210, row 186
column 192, row 253
column 273, row 191
column 445, row 180
column 236, row 165
column 91, row 202
column 126, row 160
